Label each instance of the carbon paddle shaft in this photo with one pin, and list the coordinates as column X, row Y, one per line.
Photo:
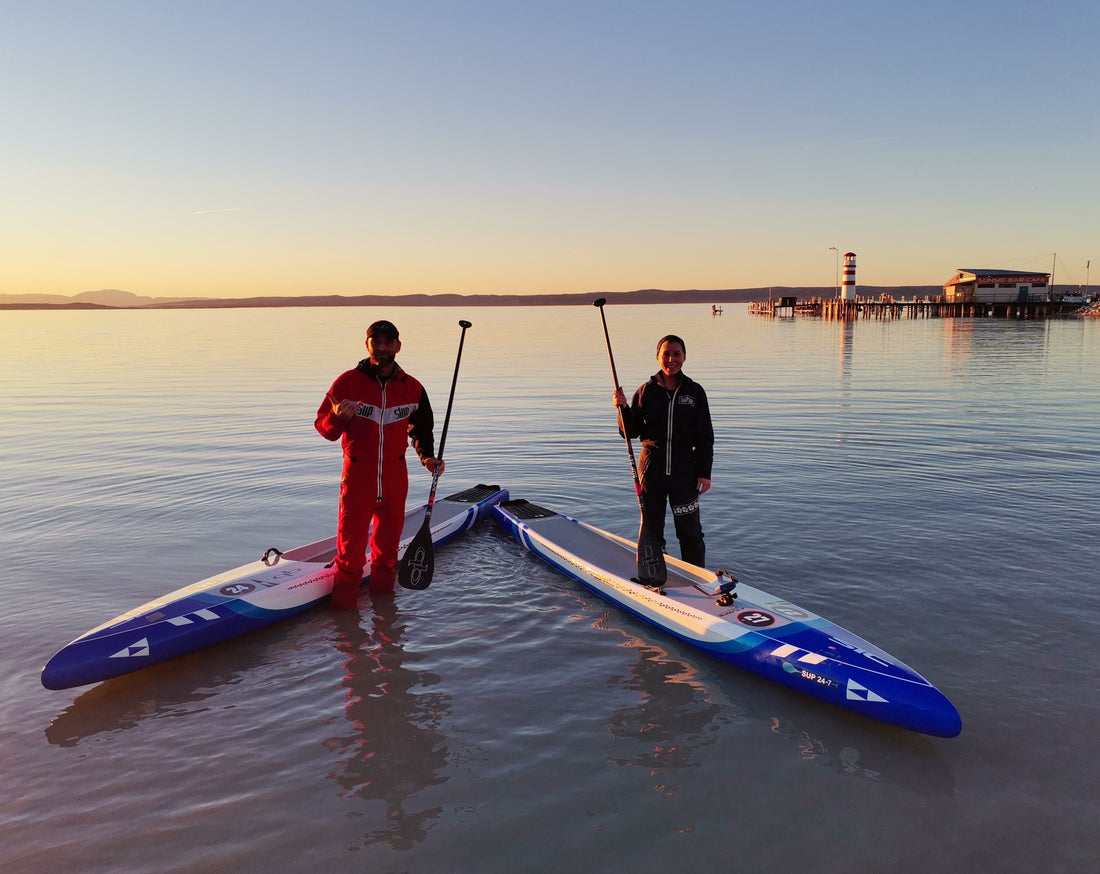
column 651, row 561
column 418, row 563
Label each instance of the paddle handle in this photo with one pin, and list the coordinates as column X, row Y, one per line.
column 446, row 423
column 599, row 304
column 450, row 400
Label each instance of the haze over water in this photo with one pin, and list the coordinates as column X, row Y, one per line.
column 929, row 484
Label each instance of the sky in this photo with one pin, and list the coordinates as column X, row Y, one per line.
column 235, row 148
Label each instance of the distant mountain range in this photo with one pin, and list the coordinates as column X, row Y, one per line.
column 113, row 298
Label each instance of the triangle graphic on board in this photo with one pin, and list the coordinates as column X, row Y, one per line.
column 862, row 693
column 141, row 648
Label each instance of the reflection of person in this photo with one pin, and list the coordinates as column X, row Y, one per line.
column 674, row 718
column 395, row 748
column 375, row 410
column 671, row 415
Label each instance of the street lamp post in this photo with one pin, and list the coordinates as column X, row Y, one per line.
column 836, row 290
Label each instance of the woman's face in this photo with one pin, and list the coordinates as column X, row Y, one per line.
column 671, row 357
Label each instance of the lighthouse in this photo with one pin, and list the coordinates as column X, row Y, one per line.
column 848, row 288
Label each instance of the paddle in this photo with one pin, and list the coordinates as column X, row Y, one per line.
column 418, row 564
column 651, row 559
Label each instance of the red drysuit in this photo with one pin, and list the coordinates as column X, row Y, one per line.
column 375, row 478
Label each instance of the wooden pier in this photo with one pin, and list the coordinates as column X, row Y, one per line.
column 887, row 308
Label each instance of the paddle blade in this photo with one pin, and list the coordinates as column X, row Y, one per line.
column 651, row 559
column 418, row 564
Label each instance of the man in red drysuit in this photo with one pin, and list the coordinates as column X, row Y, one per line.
column 376, row 409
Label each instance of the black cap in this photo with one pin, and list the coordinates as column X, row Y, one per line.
column 383, row 327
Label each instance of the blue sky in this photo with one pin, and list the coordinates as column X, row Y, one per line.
column 245, row 148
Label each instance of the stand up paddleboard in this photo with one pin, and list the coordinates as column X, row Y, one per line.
column 738, row 623
column 279, row 585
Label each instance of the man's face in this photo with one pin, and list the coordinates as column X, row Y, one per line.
column 382, row 349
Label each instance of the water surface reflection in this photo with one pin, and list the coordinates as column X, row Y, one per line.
column 671, row 722
column 686, row 708
column 393, row 748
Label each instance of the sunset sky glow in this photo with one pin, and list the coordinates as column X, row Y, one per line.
column 231, row 148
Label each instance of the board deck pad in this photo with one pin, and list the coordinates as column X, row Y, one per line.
column 738, row 623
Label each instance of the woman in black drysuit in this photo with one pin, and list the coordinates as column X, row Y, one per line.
column 671, row 415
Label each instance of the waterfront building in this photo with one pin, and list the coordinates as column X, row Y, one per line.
column 996, row 286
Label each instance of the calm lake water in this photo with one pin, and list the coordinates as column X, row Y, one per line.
column 929, row 484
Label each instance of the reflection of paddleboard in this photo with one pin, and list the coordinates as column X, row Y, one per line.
column 738, row 623
column 279, row 585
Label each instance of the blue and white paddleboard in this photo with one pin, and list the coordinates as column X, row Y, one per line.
column 221, row 607
column 740, row 624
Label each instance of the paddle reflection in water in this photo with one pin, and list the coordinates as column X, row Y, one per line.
column 394, row 748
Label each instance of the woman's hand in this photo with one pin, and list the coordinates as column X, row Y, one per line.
column 432, row 463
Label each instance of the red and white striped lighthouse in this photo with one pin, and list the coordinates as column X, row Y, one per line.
column 848, row 288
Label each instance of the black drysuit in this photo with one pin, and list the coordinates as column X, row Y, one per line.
column 677, row 449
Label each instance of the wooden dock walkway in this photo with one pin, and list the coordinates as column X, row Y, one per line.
column 847, row 310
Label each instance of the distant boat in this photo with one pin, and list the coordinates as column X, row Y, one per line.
column 715, row 310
